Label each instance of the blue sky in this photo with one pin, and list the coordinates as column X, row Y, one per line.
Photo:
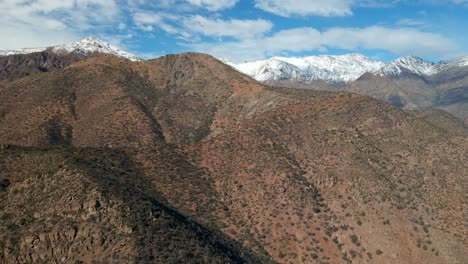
column 241, row 30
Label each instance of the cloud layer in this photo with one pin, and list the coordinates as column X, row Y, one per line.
column 46, row 22
column 214, row 5
column 402, row 41
column 306, row 7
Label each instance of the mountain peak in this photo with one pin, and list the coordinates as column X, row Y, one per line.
column 94, row 45
column 459, row 62
column 83, row 46
column 344, row 68
column 331, row 68
column 411, row 64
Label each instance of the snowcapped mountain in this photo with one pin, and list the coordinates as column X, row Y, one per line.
column 410, row 64
column 339, row 69
column 456, row 63
column 84, row 46
column 279, row 70
column 342, row 68
column 20, row 51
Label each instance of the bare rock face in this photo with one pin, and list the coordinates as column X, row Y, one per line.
column 182, row 159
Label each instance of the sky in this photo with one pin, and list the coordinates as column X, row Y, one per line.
column 245, row 30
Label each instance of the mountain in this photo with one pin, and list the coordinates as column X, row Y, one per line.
column 336, row 69
column 183, row 159
column 410, row 64
column 20, row 63
column 340, row 68
column 84, row 47
column 407, row 82
column 456, row 63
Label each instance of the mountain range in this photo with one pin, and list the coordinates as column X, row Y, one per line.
column 183, row 159
column 408, row 82
column 340, row 68
column 84, row 47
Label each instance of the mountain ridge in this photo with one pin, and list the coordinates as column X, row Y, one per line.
column 83, row 46
column 341, row 68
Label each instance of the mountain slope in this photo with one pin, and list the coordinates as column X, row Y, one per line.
column 19, row 63
column 17, row 66
column 444, row 90
column 108, row 101
column 322, row 182
column 67, row 205
column 97, row 102
column 200, row 155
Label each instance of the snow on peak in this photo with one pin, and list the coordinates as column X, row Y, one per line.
column 341, row 68
column 84, row 46
column 459, row 62
column 277, row 69
column 20, row 51
column 409, row 64
column 93, row 45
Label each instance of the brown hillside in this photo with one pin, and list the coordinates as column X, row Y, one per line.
column 234, row 167
column 71, row 205
column 339, row 178
column 443, row 120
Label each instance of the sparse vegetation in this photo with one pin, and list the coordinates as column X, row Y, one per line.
column 183, row 158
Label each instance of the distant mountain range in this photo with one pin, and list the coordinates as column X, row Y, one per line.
column 407, row 82
column 339, row 69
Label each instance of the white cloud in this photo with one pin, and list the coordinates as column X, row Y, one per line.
column 141, row 18
column 186, row 27
column 214, row 5
column 15, row 36
column 146, row 21
column 239, row 29
column 328, row 8
column 37, row 23
column 306, row 7
column 401, row 41
column 410, row 22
